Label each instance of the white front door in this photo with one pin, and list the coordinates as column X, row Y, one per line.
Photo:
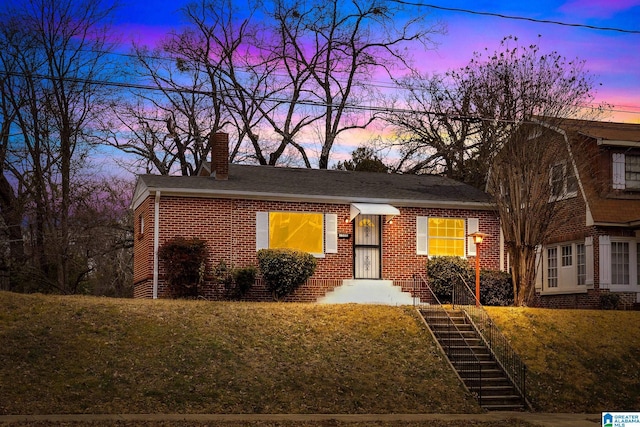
column 367, row 248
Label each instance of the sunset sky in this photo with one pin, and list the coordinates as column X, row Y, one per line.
column 613, row 57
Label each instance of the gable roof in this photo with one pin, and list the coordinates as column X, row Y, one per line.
column 606, row 133
column 316, row 185
column 607, row 208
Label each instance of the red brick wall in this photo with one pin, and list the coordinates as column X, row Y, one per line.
column 571, row 226
column 143, row 243
column 229, row 227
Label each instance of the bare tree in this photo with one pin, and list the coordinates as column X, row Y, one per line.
column 52, row 53
column 280, row 75
column 496, row 120
column 435, row 129
column 342, row 46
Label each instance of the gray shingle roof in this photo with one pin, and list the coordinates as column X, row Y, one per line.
column 329, row 186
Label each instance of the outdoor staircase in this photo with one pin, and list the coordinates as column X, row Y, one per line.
column 472, row 359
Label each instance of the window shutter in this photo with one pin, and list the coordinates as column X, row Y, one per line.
column 588, row 255
column 605, row 262
column 262, row 230
column 539, row 270
column 331, row 233
column 421, row 235
column 473, row 226
column 618, row 171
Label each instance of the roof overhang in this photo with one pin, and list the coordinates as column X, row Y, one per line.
column 143, row 191
column 373, row 209
column 614, row 143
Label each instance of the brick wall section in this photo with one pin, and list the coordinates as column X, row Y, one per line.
column 571, row 226
column 143, row 243
column 229, row 227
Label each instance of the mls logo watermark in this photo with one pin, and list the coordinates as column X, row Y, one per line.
column 621, row 419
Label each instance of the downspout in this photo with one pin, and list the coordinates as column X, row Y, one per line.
column 502, row 266
column 156, row 243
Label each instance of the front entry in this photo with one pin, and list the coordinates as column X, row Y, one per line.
column 367, row 248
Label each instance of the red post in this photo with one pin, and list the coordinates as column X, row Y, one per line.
column 477, row 274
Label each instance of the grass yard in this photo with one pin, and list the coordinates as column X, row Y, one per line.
column 578, row 360
column 97, row 355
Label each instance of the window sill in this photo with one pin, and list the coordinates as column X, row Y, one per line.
column 622, row 288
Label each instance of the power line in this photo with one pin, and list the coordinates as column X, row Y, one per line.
column 311, row 103
column 520, row 18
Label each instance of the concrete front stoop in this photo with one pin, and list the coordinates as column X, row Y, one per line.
column 367, row 291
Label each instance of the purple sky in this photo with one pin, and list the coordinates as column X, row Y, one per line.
column 612, row 57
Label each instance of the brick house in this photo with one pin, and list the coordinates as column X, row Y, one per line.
column 360, row 226
column 595, row 248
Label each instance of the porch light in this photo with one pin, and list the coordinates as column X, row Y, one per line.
column 477, row 239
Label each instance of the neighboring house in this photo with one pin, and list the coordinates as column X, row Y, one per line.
column 595, row 248
column 359, row 225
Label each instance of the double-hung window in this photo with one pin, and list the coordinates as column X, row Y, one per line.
column 441, row 236
column 562, row 181
column 619, row 263
column 626, row 171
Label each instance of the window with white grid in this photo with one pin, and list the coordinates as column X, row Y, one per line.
column 552, row 267
column 581, row 261
column 632, row 172
column 620, row 263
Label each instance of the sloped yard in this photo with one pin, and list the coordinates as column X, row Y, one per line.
column 95, row 355
column 579, row 360
column 90, row 355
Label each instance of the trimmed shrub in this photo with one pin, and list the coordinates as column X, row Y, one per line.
column 243, row 279
column 444, row 271
column 609, row 301
column 496, row 288
column 235, row 281
column 284, row 270
column 184, row 262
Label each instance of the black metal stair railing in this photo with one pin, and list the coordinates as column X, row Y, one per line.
column 453, row 342
column 513, row 366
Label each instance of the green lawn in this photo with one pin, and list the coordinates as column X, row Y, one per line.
column 98, row 355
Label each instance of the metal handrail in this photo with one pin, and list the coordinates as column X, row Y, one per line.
column 497, row 343
column 470, row 363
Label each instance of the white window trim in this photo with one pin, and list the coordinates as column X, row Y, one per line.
column 605, row 265
column 471, row 225
column 542, row 283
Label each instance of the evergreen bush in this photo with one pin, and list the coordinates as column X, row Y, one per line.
column 444, row 271
column 496, row 288
column 236, row 281
column 284, row 270
column 185, row 263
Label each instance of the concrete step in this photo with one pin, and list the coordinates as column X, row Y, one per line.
column 358, row 291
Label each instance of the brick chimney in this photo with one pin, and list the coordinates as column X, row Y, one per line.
column 220, row 156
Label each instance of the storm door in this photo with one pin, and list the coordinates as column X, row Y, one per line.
column 367, row 248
